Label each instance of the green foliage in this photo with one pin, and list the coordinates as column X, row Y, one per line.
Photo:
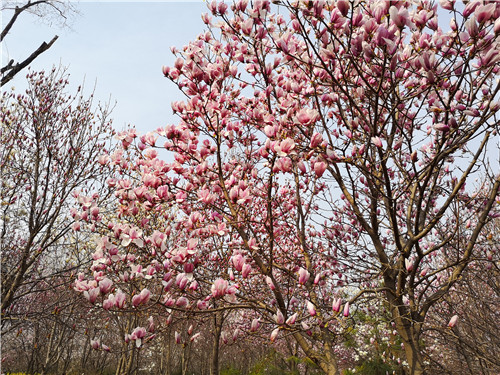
column 271, row 364
column 230, row 371
column 275, row 364
column 374, row 367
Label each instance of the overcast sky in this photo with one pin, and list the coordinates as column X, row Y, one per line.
column 120, row 47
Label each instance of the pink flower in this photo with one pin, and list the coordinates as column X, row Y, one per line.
column 274, row 334
column 484, row 12
column 408, row 265
column 105, row 285
column 120, row 299
column 302, row 167
column 316, row 140
column 246, row 26
column 496, row 27
column 377, row 141
column 95, row 344
column 319, row 168
column 346, row 309
column 441, row 127
column 306, row 116
column 343, row 6
column 91, row 295
column 303, row 276
column 246, row 270
column 195, row 337
column 202, row 305
column 337, row 302
column 181, row 302
column 219, row 288
column 238, row 262
column 279, row 318
column 291, row 320
column 236, row 333
column 151, row 325
column 255, row 325
column 286, row 146
column 137, row 335
column 181, row 281
column 399, row 16
column 453, row 321
column 144, row 295
column 270, row 131
column 270, row 283
column 447, row 4
column 76, row 226
column 310, row 308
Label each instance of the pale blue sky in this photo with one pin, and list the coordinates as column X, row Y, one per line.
column 120, row 46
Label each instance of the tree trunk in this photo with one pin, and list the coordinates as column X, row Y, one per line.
column 413, row 351
column 325, row 360
column 414, row 359
column 185, row 358
column 214, row 360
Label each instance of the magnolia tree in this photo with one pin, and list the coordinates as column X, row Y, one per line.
column 326, row 155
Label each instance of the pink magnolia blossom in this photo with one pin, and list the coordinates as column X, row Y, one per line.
column 137, row 335
column 319, row 168
column 219, row 288
column 408, row 265
column 274, row 334
column 311, row 308
column 441, row 127
column 377, row 141
column 95, row 344
column 291, row 319
column 346, row 309
column 195, row 337
column 453, row 321
column 306, row 116
column 236, row 334
column 109, row 302
column 270, row 283
column 343, row 6
column 337, row 302
column 316, row 140
column 496, row 26
column 76, row 226
column 91, row 295
column 303, row 276
column 120, row 299
column 447, row 4
column 238, row 262
column 105, row 285
column 484, row 12
column 279, row 318
column 255, row 325
column 141, row 298
column 182, row 302
column 246, row 269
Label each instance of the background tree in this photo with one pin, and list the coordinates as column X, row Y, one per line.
column 48, row 9
column 471, row 342
column 50, row 145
